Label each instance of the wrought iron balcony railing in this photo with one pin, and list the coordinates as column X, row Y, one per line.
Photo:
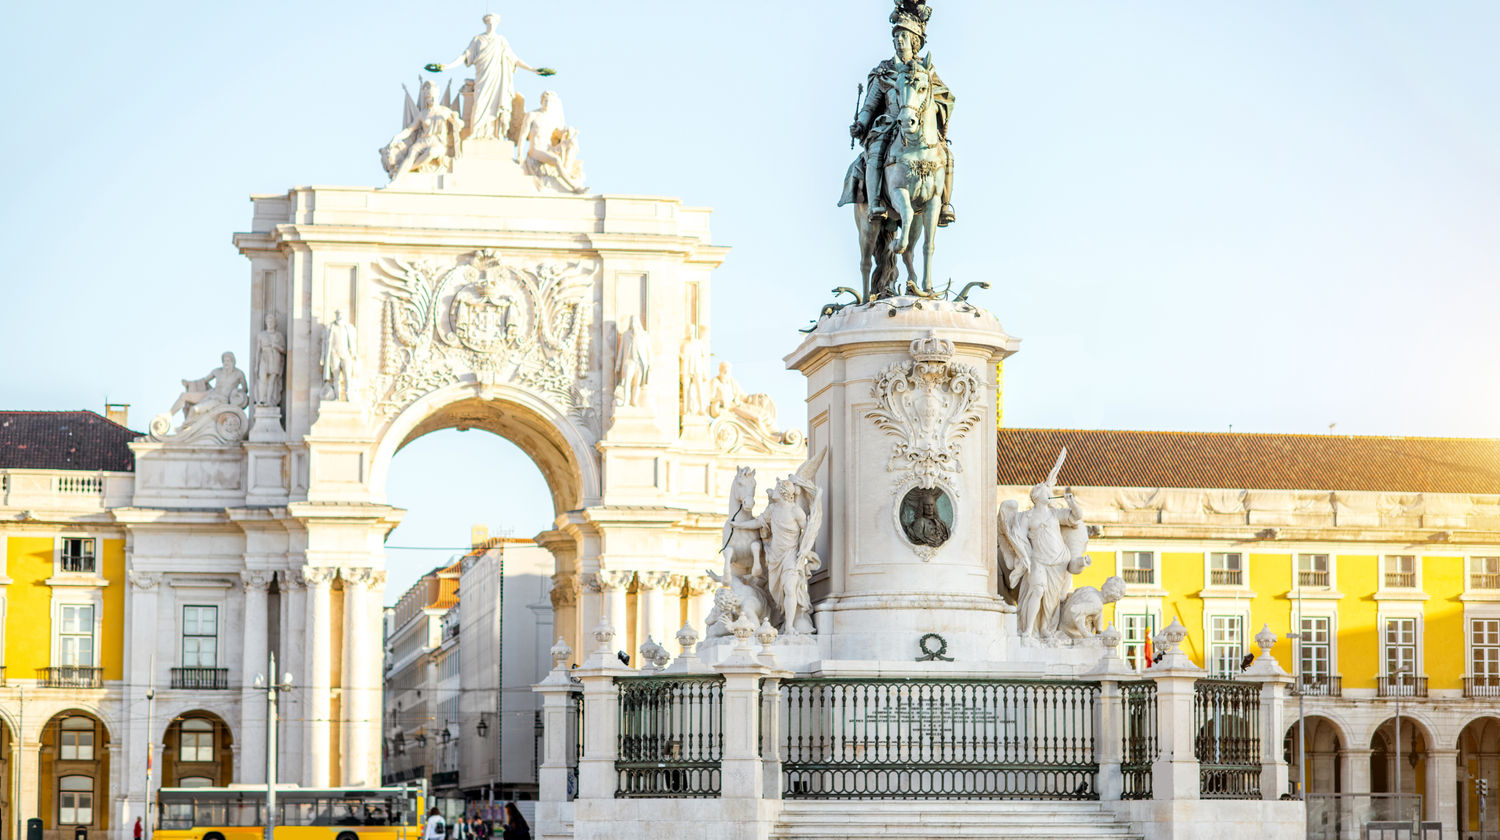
column 1401, row 686
column 1400, row 580
column 1488, row 686
column 1226, row 577
column 199, row 679
column 71, row 676
column 1319, row 685
column 1311, row 579
column 1147, row 576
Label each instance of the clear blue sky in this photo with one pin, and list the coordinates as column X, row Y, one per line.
column 1271, row 215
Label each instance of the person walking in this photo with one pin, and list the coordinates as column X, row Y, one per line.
column 515, row 824
column 437, row 827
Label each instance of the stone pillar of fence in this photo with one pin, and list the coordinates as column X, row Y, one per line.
column 601, row 716
column 1109, row 724
column 557, row 741
column 1175, row 773
column 1274, row 683
column 741, row 771
column 771, row 733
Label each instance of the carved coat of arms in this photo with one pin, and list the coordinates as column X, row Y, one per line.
column 928, row 405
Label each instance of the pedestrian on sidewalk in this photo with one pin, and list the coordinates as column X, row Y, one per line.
column 437, row 827
column 515, row 824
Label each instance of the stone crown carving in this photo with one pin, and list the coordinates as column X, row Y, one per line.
column 928, row 405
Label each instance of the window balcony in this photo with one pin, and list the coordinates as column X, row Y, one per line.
column 1311, row 579
column 1226, row 577
column 1145, row 576
column 1401, row 687
column 1482, row 686
column 200, row 679
column 1479, row 580
column 1319, row 685
column 71, row 676
column 1400, row 580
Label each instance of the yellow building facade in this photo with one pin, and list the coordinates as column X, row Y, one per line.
column 1381, row 554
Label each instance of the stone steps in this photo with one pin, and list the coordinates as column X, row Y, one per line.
column 940, row 820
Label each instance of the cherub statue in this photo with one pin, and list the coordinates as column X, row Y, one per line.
column 789, row 526
column 1040, row 550
column 1082, row 613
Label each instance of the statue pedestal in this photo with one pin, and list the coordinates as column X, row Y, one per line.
column 902, row 395
column 484, row 167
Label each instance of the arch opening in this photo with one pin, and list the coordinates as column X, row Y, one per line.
column 1479, row 758
column 197, row 751
column 73, row 774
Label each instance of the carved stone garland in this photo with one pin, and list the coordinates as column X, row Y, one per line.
column 928, row 405
column 528, row 325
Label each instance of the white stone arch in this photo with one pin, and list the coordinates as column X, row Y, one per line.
column 167, row 717
column 549, row 437
column 1424, row 723
column 53, row 711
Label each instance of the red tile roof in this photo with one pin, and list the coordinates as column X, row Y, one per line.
column 1240, row 461
column 64, row 440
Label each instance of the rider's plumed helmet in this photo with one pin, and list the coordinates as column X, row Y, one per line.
column 912, row 16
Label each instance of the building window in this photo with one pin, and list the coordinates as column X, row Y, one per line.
column 75, row 639
column 1484, row 572
column 200, row 781
column 1312, row 570
column 1315, row 657
column 75, row 800
column 1400, row 571
column 1226, row 568
column 1139, row 567
column 1484, row 650
column 1400, row 646
column 195, row 740
column 1135, row 633
column 78, row 555
column 75, row 739
column 1225, row 645
column 200, row 637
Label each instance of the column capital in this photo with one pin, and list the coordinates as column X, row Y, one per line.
column 615, row 580
column 357, row 576
column 590, row 582
column 564, row 590
column 317, row 576
column 701, row 584
column 145, row 581
column 256, row 580
column 653, row 580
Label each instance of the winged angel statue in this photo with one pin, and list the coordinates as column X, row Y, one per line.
column 1040, row 550
column 768, row 558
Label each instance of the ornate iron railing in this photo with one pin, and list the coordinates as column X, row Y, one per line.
column 939, row 739
column 1402, row 686
column 1473, row 686
column 1139, row 746
column 671, row 739
column 1318, row 685
column 1226, row 723
column 71, row 676
column 200, row 678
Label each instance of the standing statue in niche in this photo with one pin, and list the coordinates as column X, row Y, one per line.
column 270, row 361
column 906, row 168
column 789, row 525
column 632, row 364
column 1040, row 551
column 551, row 145
column 494, row 64
column 694, row 366
column 340, row 354
column 429, row 139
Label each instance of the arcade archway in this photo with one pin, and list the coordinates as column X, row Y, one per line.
column 198, row 751
column 1325, row 741
column 73, row 774
column 1478, row 758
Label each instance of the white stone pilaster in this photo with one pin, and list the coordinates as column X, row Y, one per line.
column 253, row 663
column 318, row 686
column 1442, row 790
column 1175, row 773
column 565, row 597
column 356, row 761
column 700, row 594
column 613, row 585
column 651, row 606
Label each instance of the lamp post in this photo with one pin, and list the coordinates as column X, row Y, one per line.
column 273, row 691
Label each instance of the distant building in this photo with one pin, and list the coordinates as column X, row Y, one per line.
column 1382, row 552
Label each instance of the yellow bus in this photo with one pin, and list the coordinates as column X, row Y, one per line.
column 238, row 812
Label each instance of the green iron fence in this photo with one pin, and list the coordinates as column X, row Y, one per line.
column 671, row 739
column 939, row 739
column 1226, row 723
column 1139, row 746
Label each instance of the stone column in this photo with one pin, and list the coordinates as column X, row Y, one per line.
column 590, row 612
column 700, row 590
column 773, row 720
column 601, row 711
column 1175, row 773
column 741, row 774
column 1109, row 724
column 1442, row 790
column 1274, row 683
column 613, row 584
column 565, row 591
column 372, row 676
column 319, row 681
column 292, row 657
column 357, row 693
column 650, row 606
column 253, row 662
column 557, row 732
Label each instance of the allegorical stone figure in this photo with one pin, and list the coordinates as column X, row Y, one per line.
column 632, row 364
column 429, row 139
column 551, row 145
column 1082, row 614
column 1040, row 551
column 789, row 526
column 225, row 386
column 694, row 374
column 876, row 123
column 270, row 361
column 340, row 353
column 494, row 64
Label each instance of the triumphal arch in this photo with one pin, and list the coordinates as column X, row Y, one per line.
column 485, row 285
